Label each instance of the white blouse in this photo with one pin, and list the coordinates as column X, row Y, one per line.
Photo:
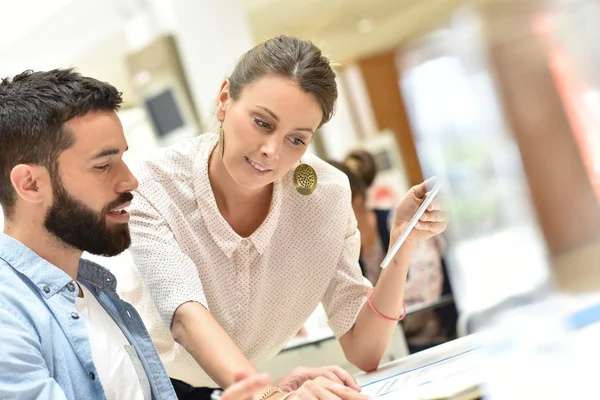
column 260, row 289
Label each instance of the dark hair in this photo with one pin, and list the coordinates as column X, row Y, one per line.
column 34, row 106
column 357, row 186
column 290, row 58
column 367, row 165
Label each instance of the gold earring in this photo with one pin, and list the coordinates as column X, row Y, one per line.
column 221, row 138
column 305, row 179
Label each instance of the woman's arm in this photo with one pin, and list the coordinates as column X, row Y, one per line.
column 365, row 343
column 201, row 335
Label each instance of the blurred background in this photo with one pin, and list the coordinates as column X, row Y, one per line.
column 473, row 92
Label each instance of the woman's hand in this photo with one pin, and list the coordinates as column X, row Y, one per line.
column 300, row 375
column 246, row 388
column 324, row 389
column 340, row 385
column 433, row 222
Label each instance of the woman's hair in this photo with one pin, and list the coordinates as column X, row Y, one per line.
column 367, row 165
column 357, row 186
column 297, row 60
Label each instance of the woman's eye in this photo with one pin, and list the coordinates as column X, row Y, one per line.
column 262, row 124
column 297, row 142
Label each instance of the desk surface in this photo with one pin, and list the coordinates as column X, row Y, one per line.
column 420, row 359
column 445, row 370
column 320, row 334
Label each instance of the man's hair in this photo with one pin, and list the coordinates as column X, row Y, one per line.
column 34, row 107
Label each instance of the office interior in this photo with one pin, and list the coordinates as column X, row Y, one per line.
column 500, row 99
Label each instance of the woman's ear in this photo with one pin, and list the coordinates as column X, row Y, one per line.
column 222, row 100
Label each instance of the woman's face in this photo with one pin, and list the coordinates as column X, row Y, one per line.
column 267, row 130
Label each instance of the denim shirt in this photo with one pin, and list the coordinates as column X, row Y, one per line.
column 44, row 346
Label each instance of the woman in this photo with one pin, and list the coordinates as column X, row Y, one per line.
column 363, row 164
column 238, row 236
column 425, row 275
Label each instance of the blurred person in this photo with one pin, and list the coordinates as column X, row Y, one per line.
column 425, row 274
column 364, row 165
column 372, row 224
column 64, row 189
column 243, row 233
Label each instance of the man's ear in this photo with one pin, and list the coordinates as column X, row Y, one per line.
column 30, row 182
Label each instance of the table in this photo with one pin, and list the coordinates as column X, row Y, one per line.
column 463, row 350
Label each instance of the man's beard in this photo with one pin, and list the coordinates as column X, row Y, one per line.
column 78, row 226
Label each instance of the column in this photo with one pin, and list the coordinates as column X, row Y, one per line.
column 567, row 210
column 380, row 76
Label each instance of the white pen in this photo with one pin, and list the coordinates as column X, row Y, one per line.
column 411, row 224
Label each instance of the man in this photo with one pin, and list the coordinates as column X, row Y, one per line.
column 64, row 189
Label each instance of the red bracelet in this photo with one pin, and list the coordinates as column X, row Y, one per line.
column 380, row 314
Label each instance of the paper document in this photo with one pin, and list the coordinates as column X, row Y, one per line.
column 461, row 370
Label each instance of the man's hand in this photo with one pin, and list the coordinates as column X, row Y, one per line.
column 298, row 376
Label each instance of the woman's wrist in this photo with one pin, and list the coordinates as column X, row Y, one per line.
column 273, row 393
column 395, row 233
column 405, row 251
column 281, row 396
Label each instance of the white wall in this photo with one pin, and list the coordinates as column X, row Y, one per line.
column 340, row 136
column 19, row 17
column 211, row 36
column 75, row 27
column 83, row 34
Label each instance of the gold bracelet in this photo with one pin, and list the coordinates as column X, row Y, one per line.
column 286, row 396
column 270, row 392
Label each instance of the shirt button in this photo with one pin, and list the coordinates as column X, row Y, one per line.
column 46, row 289
column 92, row 376
column 75, row 315
column 71, row 287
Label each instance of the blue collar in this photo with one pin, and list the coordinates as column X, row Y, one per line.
column 47, row 277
